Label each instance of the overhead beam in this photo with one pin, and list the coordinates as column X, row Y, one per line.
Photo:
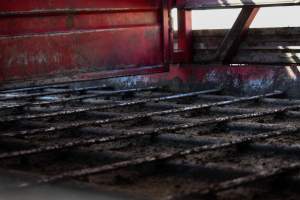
column 239, row 30
column 208, row 4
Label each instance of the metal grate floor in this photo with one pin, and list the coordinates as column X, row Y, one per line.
column 152, row 143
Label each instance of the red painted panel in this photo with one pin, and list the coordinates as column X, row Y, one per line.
column 35, row 55
column 43, row 37
column 185, row 46
column 16, row 25
column 31, row 5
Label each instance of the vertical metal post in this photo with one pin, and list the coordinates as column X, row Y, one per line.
column 185, row 34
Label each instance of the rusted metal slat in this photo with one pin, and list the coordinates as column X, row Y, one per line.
column 161, row 157
column 226, row 185
column 97, row 76
column 137, row 116
column 130, row 135
column 34, row 95
column 119, row 105
column 30, row 89
column 117, row 92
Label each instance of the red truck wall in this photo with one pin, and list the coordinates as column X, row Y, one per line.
column 41, row 38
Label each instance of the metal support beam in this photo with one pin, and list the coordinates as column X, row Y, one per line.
column 166, row 33
column 184, row 52
column 232, row 40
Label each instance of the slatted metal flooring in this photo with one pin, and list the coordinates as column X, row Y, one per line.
column 152, row 142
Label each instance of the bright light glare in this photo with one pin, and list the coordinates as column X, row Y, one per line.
column 214, row 19
column 291, row 73
column 277, row 17
column 267, row 17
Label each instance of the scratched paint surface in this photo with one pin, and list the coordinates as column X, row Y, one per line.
column 41, row 38
column 244, row 80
